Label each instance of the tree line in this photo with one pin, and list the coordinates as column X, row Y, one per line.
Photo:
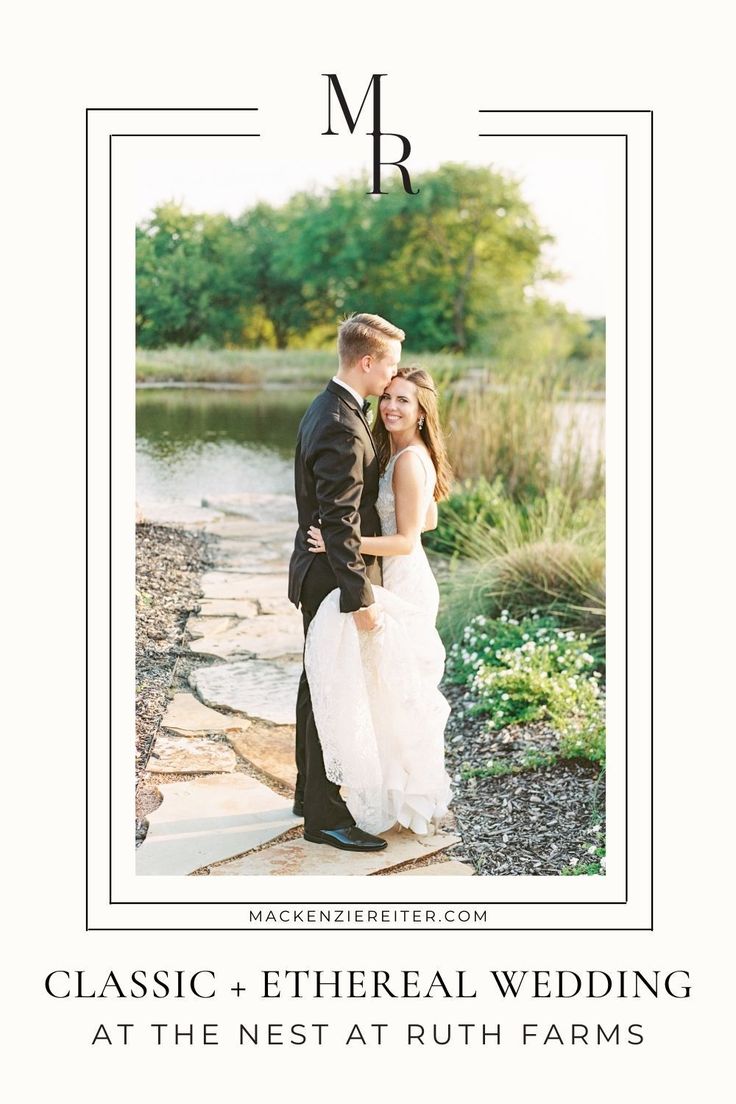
column 457, row 266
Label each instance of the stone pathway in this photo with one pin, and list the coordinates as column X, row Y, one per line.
column 228, row 744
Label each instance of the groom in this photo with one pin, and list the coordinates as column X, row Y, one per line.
column 336, row 483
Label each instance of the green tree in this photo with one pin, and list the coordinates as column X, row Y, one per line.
column 458, row 266
column 470, row 248
column 332, row 249
column 187, row 286
column 449, row 265
column 271, row 293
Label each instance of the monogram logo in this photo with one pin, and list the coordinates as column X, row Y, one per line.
column 333, row 85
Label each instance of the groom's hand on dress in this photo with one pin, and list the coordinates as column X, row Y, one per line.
column 367, row 619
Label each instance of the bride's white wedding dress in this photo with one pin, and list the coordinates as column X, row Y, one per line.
column 379, row 713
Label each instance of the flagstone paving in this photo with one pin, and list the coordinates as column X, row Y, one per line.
column 240, row 718
column 228, row 607
column 449, row 868
column 254, row 557
column 256, row 687
column 270, row 748
column 268, row 636
column 181, row 514
column 255, row 564
column 237, row 528
column 280, row 607
column 297, row 856
column 238, row 584
column 209, row 819
column 187, row 716
column 190, row 755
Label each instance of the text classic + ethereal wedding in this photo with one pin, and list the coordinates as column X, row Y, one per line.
column 376, row 984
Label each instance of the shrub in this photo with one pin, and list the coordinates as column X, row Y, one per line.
column 488, row 643
column 577, row 714
column 547, row 555
column 472, row 503
column 564, row 578
column 534, row 670
column 480, row 520
column 585, row 868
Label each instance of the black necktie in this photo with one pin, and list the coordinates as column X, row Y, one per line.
column 366, row 406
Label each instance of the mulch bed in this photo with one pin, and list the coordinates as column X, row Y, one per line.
column 169, row 563
column 534, row 822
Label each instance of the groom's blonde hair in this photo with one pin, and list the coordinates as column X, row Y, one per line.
column 362, row 335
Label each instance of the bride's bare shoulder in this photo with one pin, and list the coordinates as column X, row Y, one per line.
column 411, row 465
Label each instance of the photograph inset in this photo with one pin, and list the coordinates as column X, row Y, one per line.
column 425, row 502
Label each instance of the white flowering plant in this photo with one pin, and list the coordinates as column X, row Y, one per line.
column 486, row 642
column 534, row 670
column 595, row 865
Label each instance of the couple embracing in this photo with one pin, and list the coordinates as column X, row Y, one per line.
column 370, row 717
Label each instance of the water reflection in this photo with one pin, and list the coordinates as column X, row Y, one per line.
column 193, row 442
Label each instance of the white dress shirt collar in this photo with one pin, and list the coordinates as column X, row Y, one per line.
column 358, row 398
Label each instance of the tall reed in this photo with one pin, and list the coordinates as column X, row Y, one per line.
column 525, row 432
column 546, row 555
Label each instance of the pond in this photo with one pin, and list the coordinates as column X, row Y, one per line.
column 195, row 441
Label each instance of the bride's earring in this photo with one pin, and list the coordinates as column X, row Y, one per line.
column 420, row 423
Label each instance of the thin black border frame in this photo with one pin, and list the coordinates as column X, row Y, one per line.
column 394, row 903
column 625, row 137
column 384, row 903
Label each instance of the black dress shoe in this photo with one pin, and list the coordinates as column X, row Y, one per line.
column 346, row 839
column 298, row 809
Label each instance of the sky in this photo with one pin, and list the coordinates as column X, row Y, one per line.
column 567, row 181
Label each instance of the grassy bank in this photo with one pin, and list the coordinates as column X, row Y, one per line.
column 259, row 367
column 245, row 366
column 265, row 366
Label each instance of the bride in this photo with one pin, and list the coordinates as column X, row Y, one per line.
column 378, row 710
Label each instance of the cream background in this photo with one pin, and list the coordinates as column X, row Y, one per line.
column 64, row 58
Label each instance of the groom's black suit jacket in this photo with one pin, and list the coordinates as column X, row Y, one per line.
column 336, row 484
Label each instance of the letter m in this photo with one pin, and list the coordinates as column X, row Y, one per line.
column 334, row 83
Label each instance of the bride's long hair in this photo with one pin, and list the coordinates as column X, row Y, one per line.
column 430, row 433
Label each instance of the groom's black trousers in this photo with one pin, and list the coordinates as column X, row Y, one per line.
column 323, row 806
